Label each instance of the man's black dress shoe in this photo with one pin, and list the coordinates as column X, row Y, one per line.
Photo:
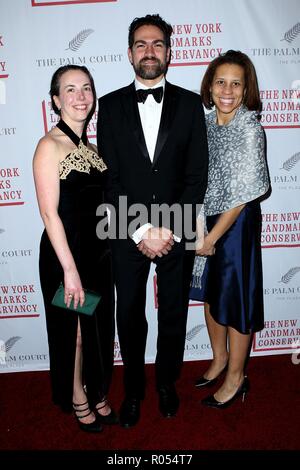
column 168, row 401
column 129, row 412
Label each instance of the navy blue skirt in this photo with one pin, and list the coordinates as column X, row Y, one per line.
column 232, row 279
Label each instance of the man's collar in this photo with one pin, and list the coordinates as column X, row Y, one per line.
column 139, row 85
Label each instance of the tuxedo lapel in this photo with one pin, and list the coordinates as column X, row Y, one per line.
column 132, row 112
column 167, row 115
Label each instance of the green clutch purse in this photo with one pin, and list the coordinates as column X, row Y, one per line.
column 90, row 303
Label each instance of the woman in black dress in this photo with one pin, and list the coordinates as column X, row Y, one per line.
column 68, row 179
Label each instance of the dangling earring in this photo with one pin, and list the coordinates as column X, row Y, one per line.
column 211, row 100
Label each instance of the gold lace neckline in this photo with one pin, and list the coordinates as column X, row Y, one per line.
column 81, row 159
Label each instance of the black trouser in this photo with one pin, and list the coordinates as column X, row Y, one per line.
column 131, row 270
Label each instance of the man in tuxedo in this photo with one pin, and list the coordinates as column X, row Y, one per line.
column 152, row 136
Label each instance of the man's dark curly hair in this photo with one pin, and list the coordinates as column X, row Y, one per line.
column 153, row 20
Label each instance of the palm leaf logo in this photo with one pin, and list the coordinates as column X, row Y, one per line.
column 10, row 342
column 193, row 332
column 77, row 42
column 292, row 33
column 290, row 274
column 291, row 162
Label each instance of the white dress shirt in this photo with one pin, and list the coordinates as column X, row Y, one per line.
column 150, row 114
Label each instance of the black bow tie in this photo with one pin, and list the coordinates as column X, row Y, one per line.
column 157, row 93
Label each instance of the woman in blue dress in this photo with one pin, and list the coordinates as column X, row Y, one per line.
column 228, row 270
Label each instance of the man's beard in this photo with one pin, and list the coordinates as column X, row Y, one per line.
column 150, row 72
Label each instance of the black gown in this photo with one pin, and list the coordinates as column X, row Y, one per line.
column 81, row 185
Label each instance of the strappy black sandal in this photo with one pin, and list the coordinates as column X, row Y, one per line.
column 95, row 426
column 111, row 418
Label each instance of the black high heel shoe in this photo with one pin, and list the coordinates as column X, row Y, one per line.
column 95, row 426
column 241, row 391
column 111, row 418
column 203, row 382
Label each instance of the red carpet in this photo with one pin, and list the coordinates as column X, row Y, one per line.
column 267, row 420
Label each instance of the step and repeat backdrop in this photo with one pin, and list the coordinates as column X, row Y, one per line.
column 38, row 36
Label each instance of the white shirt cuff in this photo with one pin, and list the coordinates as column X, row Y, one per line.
column 176, row 239
column 138, row 234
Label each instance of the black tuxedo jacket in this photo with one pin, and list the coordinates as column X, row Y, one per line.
column 178, row 173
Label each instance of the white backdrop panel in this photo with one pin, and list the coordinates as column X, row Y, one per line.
column 36, row 37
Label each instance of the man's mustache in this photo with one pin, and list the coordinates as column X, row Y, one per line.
column 149, row 58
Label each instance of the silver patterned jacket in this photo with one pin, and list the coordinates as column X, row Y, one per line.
column 237, row 171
